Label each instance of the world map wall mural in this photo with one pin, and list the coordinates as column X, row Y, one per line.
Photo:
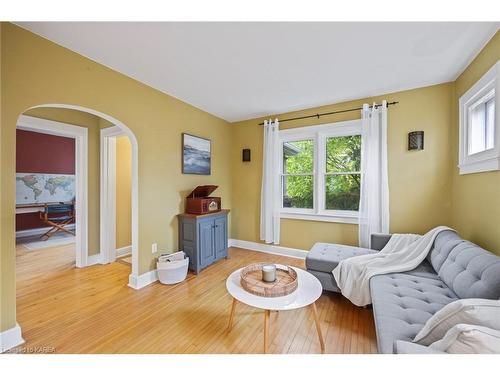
column 44, row 188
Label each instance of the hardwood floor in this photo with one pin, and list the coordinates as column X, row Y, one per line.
column 91, row 310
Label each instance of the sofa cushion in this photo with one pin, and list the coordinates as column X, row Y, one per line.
column 484, row 312
column 402, row 303
column 324, row 257
column 443, row 244
column 469, row 339
column 472, row 272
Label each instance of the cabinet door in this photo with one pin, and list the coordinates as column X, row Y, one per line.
column 220, row 237
column 206, row 243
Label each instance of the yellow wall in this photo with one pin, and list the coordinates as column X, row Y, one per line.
column 419, row 181
column 476, row 197
column 123, row 192
column 36, row 71
column 93, row 124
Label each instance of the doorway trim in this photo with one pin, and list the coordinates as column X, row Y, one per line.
column 80, row 134
column 133, row 279
column 108, row 192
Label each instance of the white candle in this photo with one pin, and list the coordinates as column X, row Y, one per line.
column 269, row 273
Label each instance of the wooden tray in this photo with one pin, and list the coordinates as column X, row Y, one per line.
column 251, row 281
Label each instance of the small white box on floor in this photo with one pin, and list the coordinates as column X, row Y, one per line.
column 172, row 268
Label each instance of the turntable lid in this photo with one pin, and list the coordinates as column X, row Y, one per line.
column 202, row 191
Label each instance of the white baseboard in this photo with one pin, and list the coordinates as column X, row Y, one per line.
column 270, row 249
column 37, row 231
column 98, row 258
column 10, row 338
column 122, row 251
column 94, row 259
column 142, row 280
column 150, row 277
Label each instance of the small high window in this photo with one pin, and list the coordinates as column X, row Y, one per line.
column 479, row 129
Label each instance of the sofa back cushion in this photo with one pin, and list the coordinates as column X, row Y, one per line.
column 467, row 269
column 443, row 244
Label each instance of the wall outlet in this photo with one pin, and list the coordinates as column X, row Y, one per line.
column 154, row 248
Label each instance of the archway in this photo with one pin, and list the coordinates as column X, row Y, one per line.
column 135, row 188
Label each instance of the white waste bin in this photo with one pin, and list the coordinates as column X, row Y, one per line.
column 172, row 268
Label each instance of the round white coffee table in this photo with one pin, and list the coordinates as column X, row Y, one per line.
column 308, row 291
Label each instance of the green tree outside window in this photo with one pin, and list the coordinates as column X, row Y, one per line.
column 342, row 178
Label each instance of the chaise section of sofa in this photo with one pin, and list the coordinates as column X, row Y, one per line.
column 324, row 257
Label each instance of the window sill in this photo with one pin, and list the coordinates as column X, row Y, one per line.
column 347, row 219
column 492, row 164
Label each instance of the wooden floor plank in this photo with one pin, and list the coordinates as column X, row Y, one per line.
column 91, row 310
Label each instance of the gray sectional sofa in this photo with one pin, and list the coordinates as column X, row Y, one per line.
column 403, row 302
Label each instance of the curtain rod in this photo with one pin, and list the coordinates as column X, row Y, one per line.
column 318, row 115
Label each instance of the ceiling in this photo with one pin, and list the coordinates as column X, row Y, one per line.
column 239, row 71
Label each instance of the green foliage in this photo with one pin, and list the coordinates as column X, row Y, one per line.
column 298, row 158
column 343, row 154
column 342, row 192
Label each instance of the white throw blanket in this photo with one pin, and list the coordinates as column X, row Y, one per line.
column 403, row 252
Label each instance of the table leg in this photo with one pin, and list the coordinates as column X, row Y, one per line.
column 267, row 314
column 318, row 327
column 231, row 315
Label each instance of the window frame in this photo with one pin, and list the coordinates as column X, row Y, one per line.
column 481, row 92
column 319, row 134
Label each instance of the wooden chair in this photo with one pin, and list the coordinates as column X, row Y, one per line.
column 57, row 216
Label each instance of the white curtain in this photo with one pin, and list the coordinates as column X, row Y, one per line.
column 270, row 192
column 374, row 200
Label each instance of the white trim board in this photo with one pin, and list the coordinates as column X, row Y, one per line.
column 326, row 218
column 37, row 231
column 10, row 338
column 108, row 198
column 123, row 251
column 138, row 282
column 150, row 277
column 269, row 249
column 80, row 134
column 94, row 259
column 108, row 192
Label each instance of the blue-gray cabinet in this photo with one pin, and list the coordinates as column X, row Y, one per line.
column 203, row 238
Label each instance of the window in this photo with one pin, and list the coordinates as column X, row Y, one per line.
column 479, row 133
column 342, row 173
column 298, row 174
column 320, row 172
column 481, row 124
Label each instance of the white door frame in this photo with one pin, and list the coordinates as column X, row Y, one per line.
column 108, row 192
column 80, row 134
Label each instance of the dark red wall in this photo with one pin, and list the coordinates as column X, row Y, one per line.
column 42, row 153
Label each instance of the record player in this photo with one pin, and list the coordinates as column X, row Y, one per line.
column 199, row 202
